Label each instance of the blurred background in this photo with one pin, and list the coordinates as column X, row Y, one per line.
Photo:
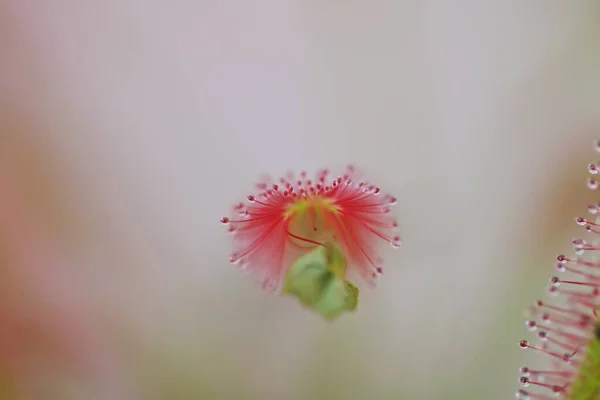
column 128, row 128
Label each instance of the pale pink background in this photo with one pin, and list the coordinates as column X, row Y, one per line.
column 155, row 117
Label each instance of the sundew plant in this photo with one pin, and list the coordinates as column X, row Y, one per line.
column 301, row 236
column 568, row 326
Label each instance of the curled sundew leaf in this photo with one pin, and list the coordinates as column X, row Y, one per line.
column 317, row 279
column 292, row 215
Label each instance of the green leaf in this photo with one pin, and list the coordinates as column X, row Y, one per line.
column 586, row 385
column 317, row 279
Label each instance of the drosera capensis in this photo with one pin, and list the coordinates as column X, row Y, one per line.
column 568, row 326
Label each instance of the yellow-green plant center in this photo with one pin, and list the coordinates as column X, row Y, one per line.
column 309, row 218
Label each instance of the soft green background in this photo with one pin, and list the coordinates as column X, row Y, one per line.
column 134, row 126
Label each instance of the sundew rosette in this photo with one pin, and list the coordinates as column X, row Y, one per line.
column 304, row 235
column 568, row 326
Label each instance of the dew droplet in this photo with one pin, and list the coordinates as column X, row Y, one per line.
column 379, row 270
column 560, row 267
column 396, row 242
column 251, row 198
column 555, row 281
column 531, row 325
column 578, row 243
column 592, row 169
column 392, row 200
column 592, row 184
column 545, row 317
column 543, row 335
column 234, row 258
column 225, row 220
column 523, row 344
column 562, row 258
column 593, row 209
column 597, row 145
column 524, row 381
column 580, row 221
column 525, row 371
